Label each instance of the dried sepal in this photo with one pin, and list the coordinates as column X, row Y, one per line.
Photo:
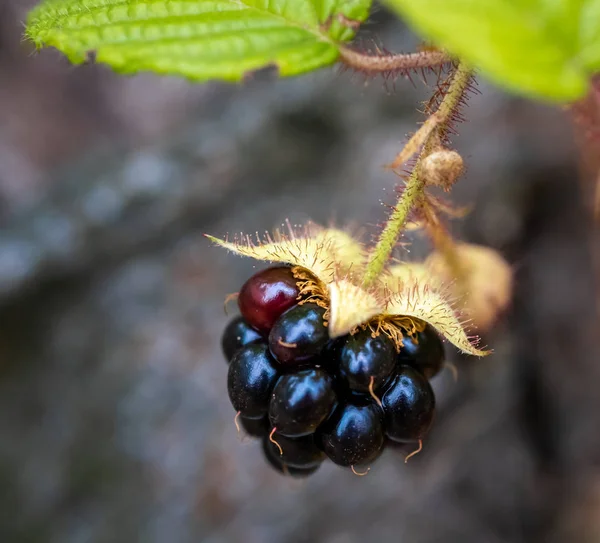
column 416, row 141
column 350, row 255
column 326, row 253
column 350, row 306
column 329, row 266
column 440, row 205
column 408, row 273
column 486, row 287
column 413, row 226
column 424, row 302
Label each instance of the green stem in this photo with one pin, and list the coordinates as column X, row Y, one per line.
column 415, row 185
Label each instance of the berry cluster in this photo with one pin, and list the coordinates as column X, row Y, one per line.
column 309, row 397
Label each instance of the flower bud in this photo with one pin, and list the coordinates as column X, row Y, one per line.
column 442, row 168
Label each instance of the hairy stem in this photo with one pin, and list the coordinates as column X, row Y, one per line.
column 444, row 243
column 375, row 64
column 412, row 194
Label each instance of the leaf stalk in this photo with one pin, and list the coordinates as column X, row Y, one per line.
column 391, row 63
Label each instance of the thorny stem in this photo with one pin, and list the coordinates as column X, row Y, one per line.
column 374, row 64
column 415, row 185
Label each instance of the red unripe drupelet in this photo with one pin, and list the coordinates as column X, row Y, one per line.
column 266, row 295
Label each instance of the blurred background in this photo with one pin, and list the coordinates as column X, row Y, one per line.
column 114, row 420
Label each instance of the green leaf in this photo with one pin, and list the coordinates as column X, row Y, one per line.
column 543, row 48
column 199, row 39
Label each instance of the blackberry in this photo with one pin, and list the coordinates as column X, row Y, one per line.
column 255, row 427
column 275, row 461
column 301, row 401
column 366, row 362
column 237, row 334
column 309, row 397
column 353, row 435
column 300, row 452
column 250, row 380
column 408, row 405
column 299, row 335
column 266, row 295
column 425, row 352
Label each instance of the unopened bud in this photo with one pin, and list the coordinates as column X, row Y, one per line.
column 442, row 168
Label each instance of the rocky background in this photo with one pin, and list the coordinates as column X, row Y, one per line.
column 114, row 420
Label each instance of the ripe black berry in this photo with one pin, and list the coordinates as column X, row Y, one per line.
column 299, row 452
column 425, row 352
column 266, row 295
column 301, row 401
column 329, row 360
column 330, row 353
column 274, row 459
column 353, row 435
column 365, row 361
column 298, row 335
column 408, row 405
column 255, row 427
column 250, row 380
column 237, row 334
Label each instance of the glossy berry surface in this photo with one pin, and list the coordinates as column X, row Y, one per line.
column 255, row 427
column 250, row 380
column 330, row 354
column 310, row 398
column 274, row 459
column 299, row 335
column 299, row 452
column 408, row 405
column 236, row 335
column 301, row 401
column 266, row 295
column 363, row 359
column 353, row 435
column 329, row 360
column 425, row 352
